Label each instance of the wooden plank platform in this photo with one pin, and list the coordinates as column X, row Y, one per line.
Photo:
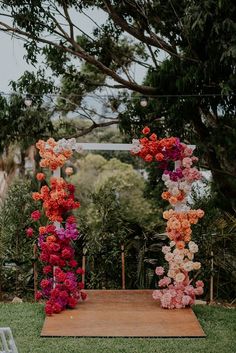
column 122, row 313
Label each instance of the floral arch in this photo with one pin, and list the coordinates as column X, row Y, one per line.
column 62, row 286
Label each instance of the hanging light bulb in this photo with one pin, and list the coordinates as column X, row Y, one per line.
column 143, row 102
column 28, row 100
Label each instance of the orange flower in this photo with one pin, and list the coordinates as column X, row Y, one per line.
column 42, row 230
column 165, row 195
column 51, row 239
column 180, row 245
column 159, row 157
column 40, row 176
column 36, row 196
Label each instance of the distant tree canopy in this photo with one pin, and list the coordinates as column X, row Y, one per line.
column 187, row 47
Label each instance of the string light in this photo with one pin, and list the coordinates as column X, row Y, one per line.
column 137, row 97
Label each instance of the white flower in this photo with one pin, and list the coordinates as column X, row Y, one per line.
column 188, row 266
column 175, row 191
column 193, row 247
column 165, row 249
column 169, row 256
column 179, row 277
column 172, row 243
column 171, row 273
column 196, row 265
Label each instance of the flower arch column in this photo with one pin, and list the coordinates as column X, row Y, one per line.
column 176, row 288
column 61, row 286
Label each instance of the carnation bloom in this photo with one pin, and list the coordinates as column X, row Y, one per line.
column 36, row 215
column 159, row 271
column 40, row 176
column 146, row 130
column 29, row 232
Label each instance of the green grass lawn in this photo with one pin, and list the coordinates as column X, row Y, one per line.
column 26, row 321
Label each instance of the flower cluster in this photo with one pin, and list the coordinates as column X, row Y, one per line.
column 176, row 288
column 55, row 153
column 61, row 286
column 58, row 199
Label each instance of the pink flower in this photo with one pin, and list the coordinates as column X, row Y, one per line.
column 199, row 284
column 159, row 271
column 186, row 300
column 164, row 282
column 198, row 290
column 166, row 300
column 29, row 232
column 36, row 215
column 157, row 294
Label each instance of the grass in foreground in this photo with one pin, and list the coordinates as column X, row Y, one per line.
column 26, row 321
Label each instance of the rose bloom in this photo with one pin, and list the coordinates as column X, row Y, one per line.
column 179, row 277
column 29, row 232
column 165, row 249
column 193, row 247
column 196, row 265
column 157, row 294
column 159, row 271
column 40, row 176
column 36, row 215
column 146, row 130
column 159, row 157
column 153, row 137
column 69, row 171
column 148, row 158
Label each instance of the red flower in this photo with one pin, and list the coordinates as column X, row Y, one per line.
column 71, row 219
column 153, row 137
column 45, row 283
column 72, row 302
column 48, row 309
column 54, row 259
column 148, row 158
column 73, row 263
column 81, row 285
column 80, row 271
column 66, row 254
column 29, row 232
column 38, row 295
column 83, row 295
column 60, row 277
column 36, row 215
column 57, row 308
column 146, row 130
column 47, row 269
column 159, row 157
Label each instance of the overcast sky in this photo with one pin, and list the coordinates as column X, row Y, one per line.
column 13, row 64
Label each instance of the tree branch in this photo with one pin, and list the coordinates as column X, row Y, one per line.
column 80, row 53
column 152, row 40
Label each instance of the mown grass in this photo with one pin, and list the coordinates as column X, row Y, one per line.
column 26, row 321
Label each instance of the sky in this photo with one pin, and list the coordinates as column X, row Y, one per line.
column 13, row 64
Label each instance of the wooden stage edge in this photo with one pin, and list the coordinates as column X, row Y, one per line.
column 122, row 313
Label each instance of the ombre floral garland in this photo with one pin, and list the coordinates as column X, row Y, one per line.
column 177, row 290
column 61, row 286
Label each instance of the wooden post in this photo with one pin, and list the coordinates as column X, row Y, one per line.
column 83, row 266
column 35, row 271
column 123, row 265
column 212, row 278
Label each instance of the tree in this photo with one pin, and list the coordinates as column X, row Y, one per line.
column 114, row 212
column 198, row 39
